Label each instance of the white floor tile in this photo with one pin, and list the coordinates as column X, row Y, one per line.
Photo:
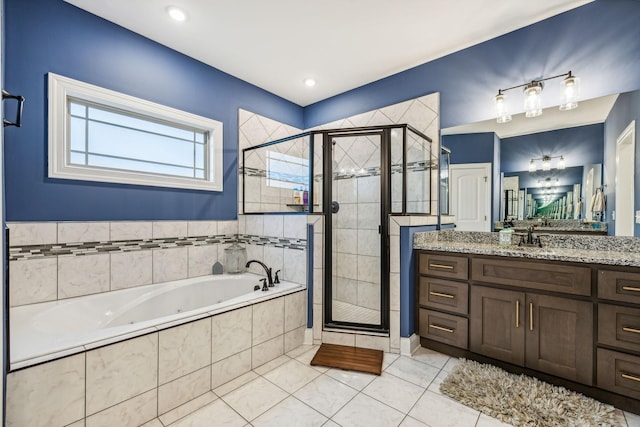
column 187, row 408
column 412, row 422
column 290, row 412
column 439, row 411
column 235, row 383
column 357, row 380
column 291, row 376
column 299, row 351
column 255, row 398
column 435, row 384
column 326, row 395
column 488, row 421
column 431, row 357
column 366, row 411
column 153, row 423
column 451, row 363
column 330, row 424
column 388, row 359
column 633, row 420
column 305, row 359
column 218, row 411
column 395, row 392
column 415, row 372
column 269, row 366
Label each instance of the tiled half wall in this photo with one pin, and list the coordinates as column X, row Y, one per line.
column 134, row 381
column 56, row 260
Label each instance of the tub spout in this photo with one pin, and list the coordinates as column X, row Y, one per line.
column 267, row 270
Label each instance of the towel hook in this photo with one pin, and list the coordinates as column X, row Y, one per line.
column 20, row 99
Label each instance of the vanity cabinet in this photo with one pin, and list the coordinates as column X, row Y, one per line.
column 546, row 333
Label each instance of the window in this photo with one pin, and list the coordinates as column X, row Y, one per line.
column 285, row 171
column 96, row 134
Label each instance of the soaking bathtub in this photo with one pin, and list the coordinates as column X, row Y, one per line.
column 46, row 331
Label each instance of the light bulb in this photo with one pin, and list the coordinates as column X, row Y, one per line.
column 176, row 13
column 532, row 166
column 561, row 164
column 570, row 92
column 533, row 99
column 502, row 112
column 309, row 82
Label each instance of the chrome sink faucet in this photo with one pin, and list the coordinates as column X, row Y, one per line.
column 267, row 270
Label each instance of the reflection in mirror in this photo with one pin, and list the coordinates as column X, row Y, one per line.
column 445, row 161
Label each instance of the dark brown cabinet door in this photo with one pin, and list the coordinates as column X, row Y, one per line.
column 559, row 337
column 496, row 324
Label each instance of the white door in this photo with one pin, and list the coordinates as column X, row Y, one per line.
column 471, row 196
column 625, row 169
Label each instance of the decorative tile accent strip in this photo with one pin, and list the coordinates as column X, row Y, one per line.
column 17, row 253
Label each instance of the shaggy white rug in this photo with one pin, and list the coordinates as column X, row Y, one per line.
column 524, row 401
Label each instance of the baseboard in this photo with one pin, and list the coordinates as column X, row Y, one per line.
column 409, row 345
column 308, row 336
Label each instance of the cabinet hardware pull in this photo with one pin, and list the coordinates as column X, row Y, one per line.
column 517, row 313
column 630, row 288
column 531, row 316
column 630, row 377
column 441, row 328
column 445, row 267
column 438, row 294
column 635, row 331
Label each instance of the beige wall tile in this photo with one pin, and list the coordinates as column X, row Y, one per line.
column 170, row 264
column 372, row 342
column 294, row 339
column 230, row 333
column 83, row 275
column 184, row 349
column 33, row 281
column 129, row 269
column 295, row 310
column 230, row 368
column 133, row 412
column 32, row 233
column 268, row 320
column 166, row 229
column 75, row 232
column 227, row 228
column 295, row 266
column 183, row 389
column 202, row 228
column 118, row 372
column 267, row 351
column 131, row 230
column 274, row 225
column 51, row 394
column 201, row 259
column 295, row 226
column 338, row 338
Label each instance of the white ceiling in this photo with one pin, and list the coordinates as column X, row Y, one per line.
column 343, row 44
column 588, row 112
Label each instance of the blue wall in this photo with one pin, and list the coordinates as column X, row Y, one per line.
column 51, row 35
column 599, row 42
column 626, row 109
column 580, row 146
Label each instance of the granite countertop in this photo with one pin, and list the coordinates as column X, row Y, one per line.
column 589, row 256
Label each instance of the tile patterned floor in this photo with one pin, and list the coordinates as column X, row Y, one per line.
column 289, row 392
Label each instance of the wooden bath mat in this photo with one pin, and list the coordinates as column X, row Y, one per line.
column 349, row 358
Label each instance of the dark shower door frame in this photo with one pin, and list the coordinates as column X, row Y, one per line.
column 384, row 132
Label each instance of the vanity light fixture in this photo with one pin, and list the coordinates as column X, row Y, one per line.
column 546, row 163
column 533, row 97
column 547, row 184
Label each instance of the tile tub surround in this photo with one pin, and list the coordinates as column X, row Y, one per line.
column 133, row 381
column 51, row 261
column 611, row 250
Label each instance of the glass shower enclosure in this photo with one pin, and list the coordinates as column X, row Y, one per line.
column 356, row 178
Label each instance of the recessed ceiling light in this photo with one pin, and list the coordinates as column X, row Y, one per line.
column 176, row 13
column 309, row 82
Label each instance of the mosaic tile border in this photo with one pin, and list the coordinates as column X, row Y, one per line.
column 28, row 252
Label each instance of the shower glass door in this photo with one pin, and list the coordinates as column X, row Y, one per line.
column 357, row 286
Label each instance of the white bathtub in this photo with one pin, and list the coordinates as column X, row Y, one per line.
column 45, row 331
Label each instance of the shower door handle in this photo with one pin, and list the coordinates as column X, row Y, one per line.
column 335, row 207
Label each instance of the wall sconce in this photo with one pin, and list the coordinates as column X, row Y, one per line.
column 533, row 97
column 546, row 163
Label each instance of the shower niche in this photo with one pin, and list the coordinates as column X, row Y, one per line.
column 356, row 178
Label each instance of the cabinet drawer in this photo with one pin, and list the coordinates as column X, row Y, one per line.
column 444, row 295
column 619, row 326
column 619, row 372
column 447, row 266
column 533, row 275
column 443, row 327
column 619, row 286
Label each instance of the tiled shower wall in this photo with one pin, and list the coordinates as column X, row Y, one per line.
column 58, row 260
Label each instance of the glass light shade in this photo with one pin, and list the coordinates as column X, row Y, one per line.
column 561, row 164
column 502, row 112
column 546, row 164
column 533, row 99
column 570, row 93
column 547, row 183
column 532, row 166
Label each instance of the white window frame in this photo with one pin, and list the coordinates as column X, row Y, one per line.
column 62, row 88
